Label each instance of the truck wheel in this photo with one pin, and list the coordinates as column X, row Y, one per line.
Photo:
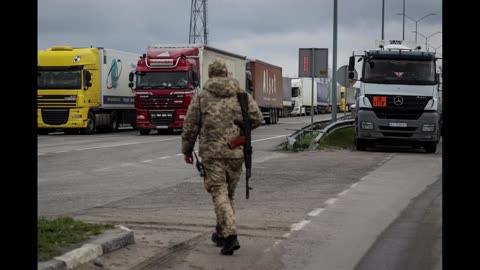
column 269, row 119
column 144, row 131
column 360, row 144
column 275, row 116
column 113, row 122
column 91, row 127
column 431, row 147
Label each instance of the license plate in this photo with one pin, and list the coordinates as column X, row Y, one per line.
column 397, row 124
column 162, row 127
column 379, row 101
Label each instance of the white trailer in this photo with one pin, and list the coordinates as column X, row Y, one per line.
column 287, row 97
column 302, row 96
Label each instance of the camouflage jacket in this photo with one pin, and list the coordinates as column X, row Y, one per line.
column 210, row 116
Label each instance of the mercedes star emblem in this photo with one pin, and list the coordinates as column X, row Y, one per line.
column 398, row 100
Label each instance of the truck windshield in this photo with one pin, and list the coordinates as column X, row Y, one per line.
column 161, row 80
column 59, row 79
column 390, row 71
column 295, row 92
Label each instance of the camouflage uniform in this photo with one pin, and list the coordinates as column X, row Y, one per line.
column 211, row 116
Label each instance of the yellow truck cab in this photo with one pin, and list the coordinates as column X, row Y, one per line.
column 84, row 89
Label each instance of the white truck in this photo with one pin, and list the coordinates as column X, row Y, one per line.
column 84, row 89
column 302, row 96
column 398, row 101
column 287, row 97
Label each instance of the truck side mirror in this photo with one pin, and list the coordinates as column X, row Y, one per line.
column 351, row 64
column 130, row 77
column 195, row 82
column 88, row 78
column 437, row 78
column 130, row 84
column 351, row 75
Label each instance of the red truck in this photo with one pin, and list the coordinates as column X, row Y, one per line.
column 167, row 77
column 264, row 82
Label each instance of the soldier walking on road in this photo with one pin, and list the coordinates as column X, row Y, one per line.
column 215, row 116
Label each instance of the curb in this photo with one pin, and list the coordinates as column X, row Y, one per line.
column 103, row 244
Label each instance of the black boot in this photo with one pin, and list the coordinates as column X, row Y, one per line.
column 218, row 240
column 231, row 244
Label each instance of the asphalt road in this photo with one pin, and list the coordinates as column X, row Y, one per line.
column 143, row 183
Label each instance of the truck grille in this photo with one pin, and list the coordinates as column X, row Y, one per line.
column 59, row 101
column 55, row 116
column 411, row 108
column 158, row 102
column 161, row 117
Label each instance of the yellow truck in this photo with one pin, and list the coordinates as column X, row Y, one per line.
column 84, row 89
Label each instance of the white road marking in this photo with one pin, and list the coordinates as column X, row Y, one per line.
column 331, row 201
column 316, row 212
column 298, row 226
column 113, row 145
column 270, row 138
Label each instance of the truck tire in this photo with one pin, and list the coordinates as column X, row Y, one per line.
column 113, row 122
column 144, row 131
column 91, row 126
column 269, row 119
column 360, row 144
column 430, row 147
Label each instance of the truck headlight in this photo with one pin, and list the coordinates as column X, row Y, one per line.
column 366, row 125
column 76, row 116
column 182, row 116
column 141, row 117
column 428, row 127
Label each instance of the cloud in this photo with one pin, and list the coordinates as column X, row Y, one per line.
column 269, row 30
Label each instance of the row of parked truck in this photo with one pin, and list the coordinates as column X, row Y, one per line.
column 89, row 89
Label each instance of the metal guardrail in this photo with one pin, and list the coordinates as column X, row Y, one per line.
column 322, row 126
column 331, row 128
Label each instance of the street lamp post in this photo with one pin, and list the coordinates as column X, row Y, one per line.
column 416, row 21
column 435, row 48
column 427, row 37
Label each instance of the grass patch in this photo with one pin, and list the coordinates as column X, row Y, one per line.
column 340, row 139
column 304, row 141
column 54, row 235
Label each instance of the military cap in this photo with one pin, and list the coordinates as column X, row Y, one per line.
column 217, row 67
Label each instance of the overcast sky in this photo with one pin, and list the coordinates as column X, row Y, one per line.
column 268, row 30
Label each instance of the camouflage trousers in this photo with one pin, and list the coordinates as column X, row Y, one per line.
column 222, row 176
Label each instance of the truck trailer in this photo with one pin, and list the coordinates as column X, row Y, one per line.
column 168, row 76
column 84, row 89
column 287, row 97
column 264, row 82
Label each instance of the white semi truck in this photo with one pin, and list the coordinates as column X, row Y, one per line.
column 302, row 96
column 398, row 101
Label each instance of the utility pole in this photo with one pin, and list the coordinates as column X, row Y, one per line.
column 334, row 67
column 383, row 19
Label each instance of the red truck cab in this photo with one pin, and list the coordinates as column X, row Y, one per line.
column 165, row 81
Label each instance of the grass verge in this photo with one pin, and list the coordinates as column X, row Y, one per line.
column 55, row 235
column 340, row 139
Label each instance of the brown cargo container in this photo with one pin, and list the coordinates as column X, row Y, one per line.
column 265, row 84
